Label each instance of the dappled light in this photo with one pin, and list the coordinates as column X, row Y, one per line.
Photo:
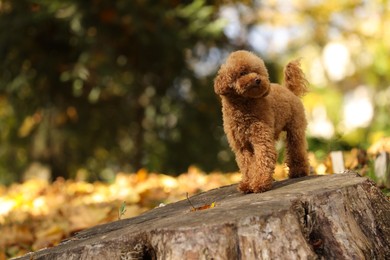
column 148, row 92
column 107, row 108
column 37, row 214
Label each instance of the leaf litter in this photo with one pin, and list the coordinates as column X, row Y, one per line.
column 38, row 214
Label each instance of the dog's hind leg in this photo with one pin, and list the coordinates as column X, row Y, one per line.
column 297, row 159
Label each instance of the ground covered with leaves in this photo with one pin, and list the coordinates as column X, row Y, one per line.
column 38, row 214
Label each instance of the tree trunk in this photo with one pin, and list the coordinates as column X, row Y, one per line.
column 341, row 216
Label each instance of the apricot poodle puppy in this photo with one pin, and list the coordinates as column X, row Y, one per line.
column 255, row 112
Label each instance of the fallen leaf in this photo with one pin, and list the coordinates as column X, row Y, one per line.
column 85, row 216
column 206, row 206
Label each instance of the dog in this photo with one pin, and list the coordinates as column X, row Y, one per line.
column 255, row 111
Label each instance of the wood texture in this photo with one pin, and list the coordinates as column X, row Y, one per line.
column 341, row 216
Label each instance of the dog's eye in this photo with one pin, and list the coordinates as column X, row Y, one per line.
column 242, row 73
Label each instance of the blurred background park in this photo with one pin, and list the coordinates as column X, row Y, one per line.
column 92, row 88
column 114, row 100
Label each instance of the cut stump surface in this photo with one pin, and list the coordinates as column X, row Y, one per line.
column 341, row 216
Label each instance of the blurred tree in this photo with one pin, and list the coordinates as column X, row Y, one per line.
column 344, row 47
column 107, row 85
column 100, row 86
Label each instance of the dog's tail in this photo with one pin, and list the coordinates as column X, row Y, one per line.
column 295, row 79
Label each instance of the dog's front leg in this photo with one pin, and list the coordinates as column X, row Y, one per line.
column 244, row 158
column 261, row 161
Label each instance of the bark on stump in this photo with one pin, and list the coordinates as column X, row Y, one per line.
column 342, row 216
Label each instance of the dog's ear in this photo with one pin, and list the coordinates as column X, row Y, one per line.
column 222, row 82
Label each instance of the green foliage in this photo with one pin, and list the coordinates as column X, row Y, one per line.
column 122, row 210
column 96, row 85
column 386, row 192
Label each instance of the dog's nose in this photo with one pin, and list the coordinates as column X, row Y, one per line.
column 258, row 81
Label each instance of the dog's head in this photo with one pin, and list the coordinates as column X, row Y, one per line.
column 243, row 74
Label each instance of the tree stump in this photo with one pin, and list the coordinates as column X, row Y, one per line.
column 341, row 216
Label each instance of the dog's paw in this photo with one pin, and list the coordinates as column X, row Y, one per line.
column 262, row 188
column 298, row 172
column 247, row 188
column 244, row 187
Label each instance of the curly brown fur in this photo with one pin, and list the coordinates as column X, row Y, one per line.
column 255, row 111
